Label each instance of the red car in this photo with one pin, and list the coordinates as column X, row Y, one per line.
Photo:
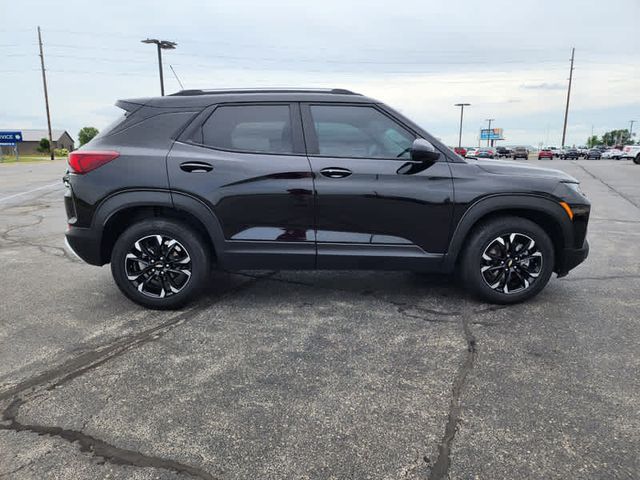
column 461, row 151
column 545, row 154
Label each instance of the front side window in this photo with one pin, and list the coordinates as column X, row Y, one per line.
column 249, row 128
column 359, row 132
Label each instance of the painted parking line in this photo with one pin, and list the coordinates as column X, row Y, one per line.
column 30, row 191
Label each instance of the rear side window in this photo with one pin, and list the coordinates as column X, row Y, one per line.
column 249, row 128
column 359, row 132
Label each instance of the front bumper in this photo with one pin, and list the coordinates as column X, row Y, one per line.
column 572, row 258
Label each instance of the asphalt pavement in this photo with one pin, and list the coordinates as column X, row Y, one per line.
column 317, row 375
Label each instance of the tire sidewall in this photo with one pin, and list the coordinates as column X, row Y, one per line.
column 191, row 241
column 481, row 239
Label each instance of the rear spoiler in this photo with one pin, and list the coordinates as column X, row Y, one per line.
column 131, row 104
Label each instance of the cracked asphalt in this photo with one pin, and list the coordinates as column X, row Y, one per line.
column 317, row 375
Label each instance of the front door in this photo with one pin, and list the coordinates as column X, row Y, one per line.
column 375, row 208
column 247, row 163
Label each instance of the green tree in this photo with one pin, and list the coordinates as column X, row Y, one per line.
column 616, row 137
column 593, row 141
column 86, row 134
column 44, row 146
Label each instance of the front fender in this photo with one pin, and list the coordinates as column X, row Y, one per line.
column 508, row 204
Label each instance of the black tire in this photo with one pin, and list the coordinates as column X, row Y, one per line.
column 483, row 238
column 184, row 263
column 637, row 159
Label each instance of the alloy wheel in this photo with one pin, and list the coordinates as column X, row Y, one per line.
column 511, row 263
column 158, row 266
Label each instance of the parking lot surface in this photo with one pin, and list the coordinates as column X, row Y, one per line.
column 318, row 375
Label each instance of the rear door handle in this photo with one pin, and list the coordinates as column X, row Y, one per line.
column 196, row 167
column 336, row 172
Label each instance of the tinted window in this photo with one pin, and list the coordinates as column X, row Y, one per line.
column 360, row 132
column 250, row 128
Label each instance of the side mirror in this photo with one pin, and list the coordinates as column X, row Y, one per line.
column 423, row 151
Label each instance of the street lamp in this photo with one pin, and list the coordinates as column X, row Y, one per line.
column 489, row 130
column 461, row 105
column 162, row 45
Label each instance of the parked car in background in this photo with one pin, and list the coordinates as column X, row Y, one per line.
column 520, row 152
column 554, row 150
column 471, row 152
column 594, row 153
column 633, row 152
column 582, row 151
column 503, row 152
column 570, row 154
column 545, row 153
column 613, row 153
column 461, row 151
column 485, row 152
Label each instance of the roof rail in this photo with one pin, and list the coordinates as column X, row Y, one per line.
column 335, row 91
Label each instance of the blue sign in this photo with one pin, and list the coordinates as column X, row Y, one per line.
column 10, row 138
column 493, row 134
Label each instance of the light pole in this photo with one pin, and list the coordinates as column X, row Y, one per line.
column 162, row 45
column 461, row 105
column 631, row 122
column 489, row 130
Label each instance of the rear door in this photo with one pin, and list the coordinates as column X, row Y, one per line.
column 375, row 207
column 247, row 163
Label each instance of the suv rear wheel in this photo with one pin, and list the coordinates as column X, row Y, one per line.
column 507, row 260
column 160, row 264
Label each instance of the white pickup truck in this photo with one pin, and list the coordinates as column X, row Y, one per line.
column 633, row 152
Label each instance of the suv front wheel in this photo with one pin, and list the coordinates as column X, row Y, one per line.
column 160, row 264
column 507, row 260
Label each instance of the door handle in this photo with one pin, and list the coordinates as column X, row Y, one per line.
column 336, row 172
column 196, row 167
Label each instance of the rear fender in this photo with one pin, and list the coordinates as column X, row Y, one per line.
column 160, row 198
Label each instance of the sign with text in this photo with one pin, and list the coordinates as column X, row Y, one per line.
column 10, row 138
column 491, row 134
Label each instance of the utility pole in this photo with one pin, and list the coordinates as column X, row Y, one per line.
column 566, row 110
column 461, row 105
column 162, row 45
column 489, row 133
column 631, row 122
column 46, row 94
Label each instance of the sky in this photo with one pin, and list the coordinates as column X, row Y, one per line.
column 509, row 59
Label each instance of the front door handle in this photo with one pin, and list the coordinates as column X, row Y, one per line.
column 196, row 167
column 336, row 172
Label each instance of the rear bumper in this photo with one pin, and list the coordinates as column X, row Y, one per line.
column 572, row 258
column 85, row 244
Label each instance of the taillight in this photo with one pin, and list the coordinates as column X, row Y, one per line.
column 84, row 161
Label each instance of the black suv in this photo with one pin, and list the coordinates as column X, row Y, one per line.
column 570, row 154
column 503, row 152
column 308, row 179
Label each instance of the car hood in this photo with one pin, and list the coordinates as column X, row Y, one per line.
column 501, row 167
